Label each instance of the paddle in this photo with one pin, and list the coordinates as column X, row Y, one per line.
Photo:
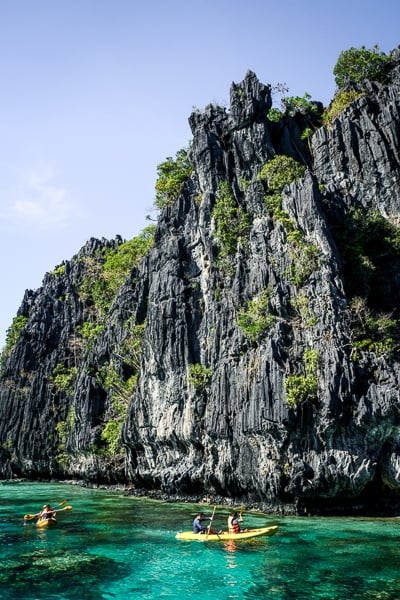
column 241, row 517
column 30, row 517
column 211, row 520
column 69, row 507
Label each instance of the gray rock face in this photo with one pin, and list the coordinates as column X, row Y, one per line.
column 231, row 431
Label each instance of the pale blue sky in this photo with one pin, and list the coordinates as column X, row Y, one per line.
column 96, row 93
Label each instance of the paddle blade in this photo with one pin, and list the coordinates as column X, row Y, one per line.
column 62, row 503
column 29, row 517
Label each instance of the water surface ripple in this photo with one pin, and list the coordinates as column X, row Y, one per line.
column 116, row 547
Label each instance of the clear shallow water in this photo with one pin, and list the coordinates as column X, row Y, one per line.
column 115, row 547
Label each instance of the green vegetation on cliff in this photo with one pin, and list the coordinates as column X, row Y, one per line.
column 232, row 222
column 353, row 67
column 356, row 65
column 279, row 172
column 171, row 175
column 255, row 318
column 292, row 105
column 106, row 272
column 12, row 336
column 199, row 376
column 303, row 387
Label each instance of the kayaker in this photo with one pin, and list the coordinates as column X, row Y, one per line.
column 198, row 527
column 233, row 523
column 47, row 513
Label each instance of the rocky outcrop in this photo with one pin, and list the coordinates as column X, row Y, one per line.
column 299, row 411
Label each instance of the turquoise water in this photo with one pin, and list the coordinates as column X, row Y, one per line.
column 116, row 547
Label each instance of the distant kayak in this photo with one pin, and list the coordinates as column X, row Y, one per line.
column 225, row 536
column 51, row 522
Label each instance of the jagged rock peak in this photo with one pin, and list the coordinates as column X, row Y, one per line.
column 94, row 244
column 250, row 99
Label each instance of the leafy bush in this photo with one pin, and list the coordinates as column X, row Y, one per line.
column 89, row 330
column 273, row 203
column 303, row 388
column 372, row 333
column 299, row 104
column 231, row 220
column 305, row 259
column 274, row 115
column 280, row 171
column 171, row 175
column 119, row 263
column 131, row 348
column 63, row 428
column 255, row 319
column 111, row 436
column 355, row 65
column 12, row 335
column 341, row 101
column 199, row 376
column 64, row 379
column 106, row 273
column 368, row 243
column 121, row 391
column 365, row 239
column 304, row 313
column 276, row 174
column 58, row 271
column 291, row 105
column 306, row 133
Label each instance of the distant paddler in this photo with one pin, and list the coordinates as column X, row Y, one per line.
column 47, row 516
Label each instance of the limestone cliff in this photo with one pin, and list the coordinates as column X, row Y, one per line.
column 253, row 351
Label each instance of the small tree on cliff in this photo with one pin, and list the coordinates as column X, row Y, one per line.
column 171, row 175
column 355, row 65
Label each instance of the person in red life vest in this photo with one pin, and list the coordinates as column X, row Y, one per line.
column 233, row 523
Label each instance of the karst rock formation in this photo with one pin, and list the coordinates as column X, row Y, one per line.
column 257, row 375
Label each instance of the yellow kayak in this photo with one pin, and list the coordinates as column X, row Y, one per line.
column 225, row 536
column 46, row 523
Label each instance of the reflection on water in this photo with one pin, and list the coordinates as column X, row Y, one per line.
column 230, row 546
column 231, row 575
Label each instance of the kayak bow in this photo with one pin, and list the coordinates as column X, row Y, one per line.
column 46, row 522
column 224, row 536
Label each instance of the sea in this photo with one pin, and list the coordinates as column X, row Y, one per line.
column 112, row 546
